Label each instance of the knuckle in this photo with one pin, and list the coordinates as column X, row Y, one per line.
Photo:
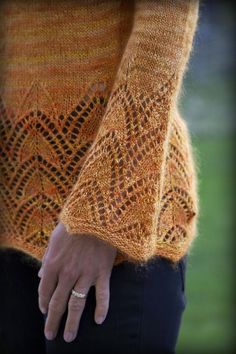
column 42, row 297
column 76, row 304
column 50, row 265
column 104, row 272
column 102, row 294
column 42, row 291
column 42, row 294
column 55, row 305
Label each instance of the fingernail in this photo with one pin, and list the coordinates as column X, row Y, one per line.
column 43, row 310
column 99, row 320
column 69, row 336
column 49, row 335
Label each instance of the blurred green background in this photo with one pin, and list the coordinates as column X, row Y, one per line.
column 207, row 105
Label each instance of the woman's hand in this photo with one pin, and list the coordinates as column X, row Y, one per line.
column 73, row 261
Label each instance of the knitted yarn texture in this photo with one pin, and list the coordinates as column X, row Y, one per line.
column 91, row 133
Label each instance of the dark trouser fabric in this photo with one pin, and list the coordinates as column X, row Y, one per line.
column 144, row 317
column 21, row 322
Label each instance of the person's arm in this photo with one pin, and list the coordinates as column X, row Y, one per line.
column 118, row 192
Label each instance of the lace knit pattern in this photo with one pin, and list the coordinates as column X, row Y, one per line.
column 115, row 159
column 41, row 158
column 121, row 179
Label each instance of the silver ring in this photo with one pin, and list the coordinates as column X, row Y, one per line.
column 79, row 295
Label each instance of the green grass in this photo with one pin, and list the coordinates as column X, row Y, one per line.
column 207, row 323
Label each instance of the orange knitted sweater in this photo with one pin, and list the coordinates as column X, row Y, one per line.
column 91, row 133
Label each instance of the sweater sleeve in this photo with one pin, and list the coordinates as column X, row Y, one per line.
column 117, row 195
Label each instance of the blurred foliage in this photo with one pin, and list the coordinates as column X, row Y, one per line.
column 209, row 86
column 207, row 324
column 207, row 104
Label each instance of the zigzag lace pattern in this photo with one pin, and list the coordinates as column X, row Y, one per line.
column 40, row 159
column 120, row 200
column 42, row 156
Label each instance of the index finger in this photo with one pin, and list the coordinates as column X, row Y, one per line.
column 47, row 285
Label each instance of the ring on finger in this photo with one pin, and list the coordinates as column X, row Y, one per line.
column 78, row 294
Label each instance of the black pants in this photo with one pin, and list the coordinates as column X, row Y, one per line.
column 144, row 317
